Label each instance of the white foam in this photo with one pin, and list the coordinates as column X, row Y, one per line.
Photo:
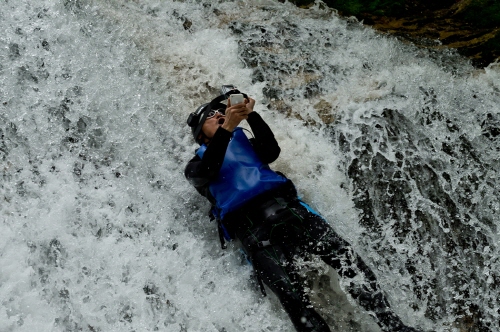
column 100, row 230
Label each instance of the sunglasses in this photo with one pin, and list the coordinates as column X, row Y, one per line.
column 212, row 113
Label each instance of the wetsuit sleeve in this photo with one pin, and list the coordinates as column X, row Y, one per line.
column 200, row 171
column 265, row 144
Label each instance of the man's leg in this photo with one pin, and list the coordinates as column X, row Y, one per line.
column 320, row 239
column 273, row 265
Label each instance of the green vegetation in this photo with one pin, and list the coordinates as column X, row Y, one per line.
column 492, row 45
column 473, row 24
column 356, row 7
column 482, row 13
column 376, row 7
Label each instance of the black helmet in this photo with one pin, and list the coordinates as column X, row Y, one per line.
column 197, row 118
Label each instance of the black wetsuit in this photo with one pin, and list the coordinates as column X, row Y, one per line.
column 276, row 226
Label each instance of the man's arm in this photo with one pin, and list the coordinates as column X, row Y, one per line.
column 265, row 144
column 200, row 171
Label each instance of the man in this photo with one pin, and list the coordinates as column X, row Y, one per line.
column 260, row 207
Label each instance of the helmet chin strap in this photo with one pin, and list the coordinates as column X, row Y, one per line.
column 203, row 139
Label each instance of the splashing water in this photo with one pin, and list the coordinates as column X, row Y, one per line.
column 396, row 146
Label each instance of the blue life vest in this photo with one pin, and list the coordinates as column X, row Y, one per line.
column 242, row 176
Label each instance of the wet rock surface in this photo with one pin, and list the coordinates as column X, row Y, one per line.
column 472, row 27
column 424, row 184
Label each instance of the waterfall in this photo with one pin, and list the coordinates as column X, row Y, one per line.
column 395, row 145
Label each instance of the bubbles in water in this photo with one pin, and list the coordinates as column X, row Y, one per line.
column 396, row 146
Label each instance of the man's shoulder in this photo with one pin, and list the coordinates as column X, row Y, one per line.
column 195, row 158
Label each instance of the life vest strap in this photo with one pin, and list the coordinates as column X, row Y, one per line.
column 222, row 237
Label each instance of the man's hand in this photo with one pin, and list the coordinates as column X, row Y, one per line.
column 237, row 113
column 250, row 103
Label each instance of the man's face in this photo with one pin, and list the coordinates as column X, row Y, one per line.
column 212, row 124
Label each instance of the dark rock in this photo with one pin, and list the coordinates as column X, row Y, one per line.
column 469, row 26
column 187, row 24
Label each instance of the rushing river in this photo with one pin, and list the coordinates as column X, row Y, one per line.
column 398, row 147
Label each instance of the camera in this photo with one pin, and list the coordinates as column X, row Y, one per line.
column 236, row 98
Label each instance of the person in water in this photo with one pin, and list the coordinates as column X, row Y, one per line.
column 260, row 207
